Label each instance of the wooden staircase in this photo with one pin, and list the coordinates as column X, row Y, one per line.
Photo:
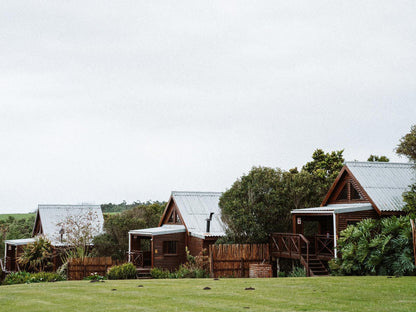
column 143, row 273
column 317, row 267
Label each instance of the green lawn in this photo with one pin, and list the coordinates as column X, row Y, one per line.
column 17, row 216
column 277, row 294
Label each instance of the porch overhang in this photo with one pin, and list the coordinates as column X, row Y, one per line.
column 162, row 230
column 19, row 242
column 333, row 209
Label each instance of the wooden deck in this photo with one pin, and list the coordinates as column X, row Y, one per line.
column 311, row 254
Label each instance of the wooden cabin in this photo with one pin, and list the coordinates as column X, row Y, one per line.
column 361, row 190
column 52, row 222
column 191, row 220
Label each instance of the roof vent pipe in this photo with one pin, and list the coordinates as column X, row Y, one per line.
column 209, row 221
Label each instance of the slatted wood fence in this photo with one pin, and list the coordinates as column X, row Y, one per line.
column 233, row 260
column 78, row 268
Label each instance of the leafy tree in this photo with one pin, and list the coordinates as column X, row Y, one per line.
column 114, row 242
column 12, row 228
column 409, row 198
column 326, row 166
column 260, row 202
column 407, row 145
column 79, row 232
column 37, row 256
column 378, row 158
column 255, row 206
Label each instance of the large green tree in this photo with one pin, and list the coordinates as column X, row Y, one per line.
column 323, row 168
column 407, row 147
column 260, row 202
column 255, row 206
column 114, row 242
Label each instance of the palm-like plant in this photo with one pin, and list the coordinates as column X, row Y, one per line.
column 37, row 256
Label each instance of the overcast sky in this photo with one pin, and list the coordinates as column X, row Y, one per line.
column 104, row 101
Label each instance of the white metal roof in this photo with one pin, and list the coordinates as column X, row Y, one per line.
column 336, row 208
column 195, row 208
column 384, row 182
column 52, row 215
column 162, row 230
column 19, row 242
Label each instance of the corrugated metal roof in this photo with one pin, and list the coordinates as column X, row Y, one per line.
column 384, row 182
column 162, row 230
column 335, row 208
column 52, row 215
column 195, row 208
column 19, row 242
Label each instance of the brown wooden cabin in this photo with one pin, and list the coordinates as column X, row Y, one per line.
column 50, row 223
column 190, row 219
column 362, row 190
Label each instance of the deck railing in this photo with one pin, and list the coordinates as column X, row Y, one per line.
column 293, row 246
column 324, row 245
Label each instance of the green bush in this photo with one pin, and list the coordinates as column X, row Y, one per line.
column 124, row 271
column 160, row 273
column 26, row 278
column 376, row 247
column 297, row 272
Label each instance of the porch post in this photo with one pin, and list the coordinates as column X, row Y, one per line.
column 129, row 247
column 335, row 233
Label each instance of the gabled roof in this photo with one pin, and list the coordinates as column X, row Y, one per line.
column 50, row 216
column 384, row 182
column 195, row 208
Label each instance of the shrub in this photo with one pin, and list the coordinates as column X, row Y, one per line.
column 26, row 278
column 160, row 273
column 17, row 278
column 124, row 271
column 94, row 277
column 297, row 272
column 376, row 247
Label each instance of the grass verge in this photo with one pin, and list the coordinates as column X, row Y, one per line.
column 278, row 294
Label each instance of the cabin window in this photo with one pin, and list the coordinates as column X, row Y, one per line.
column 352, row 222
column 170, row 247
column 178, row 219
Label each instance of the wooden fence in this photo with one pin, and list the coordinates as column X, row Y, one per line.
column 78, row 268
column 233, row 260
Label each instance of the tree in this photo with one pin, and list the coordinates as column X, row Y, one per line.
column 255, row 206
column 324, row 169
column 114, row 242
column 378, row 158
column 79, row 231
column 407, row 145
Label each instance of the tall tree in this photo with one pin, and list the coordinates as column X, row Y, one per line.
column 114, row 242
column 324, row 168
column 407, row 145
column 255, row 206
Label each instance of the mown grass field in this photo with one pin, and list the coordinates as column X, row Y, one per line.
column 277, row 294
column 17, row 216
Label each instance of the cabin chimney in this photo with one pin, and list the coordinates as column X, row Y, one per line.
column 209, row 222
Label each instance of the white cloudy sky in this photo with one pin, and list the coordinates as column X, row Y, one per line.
column 104, row 101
